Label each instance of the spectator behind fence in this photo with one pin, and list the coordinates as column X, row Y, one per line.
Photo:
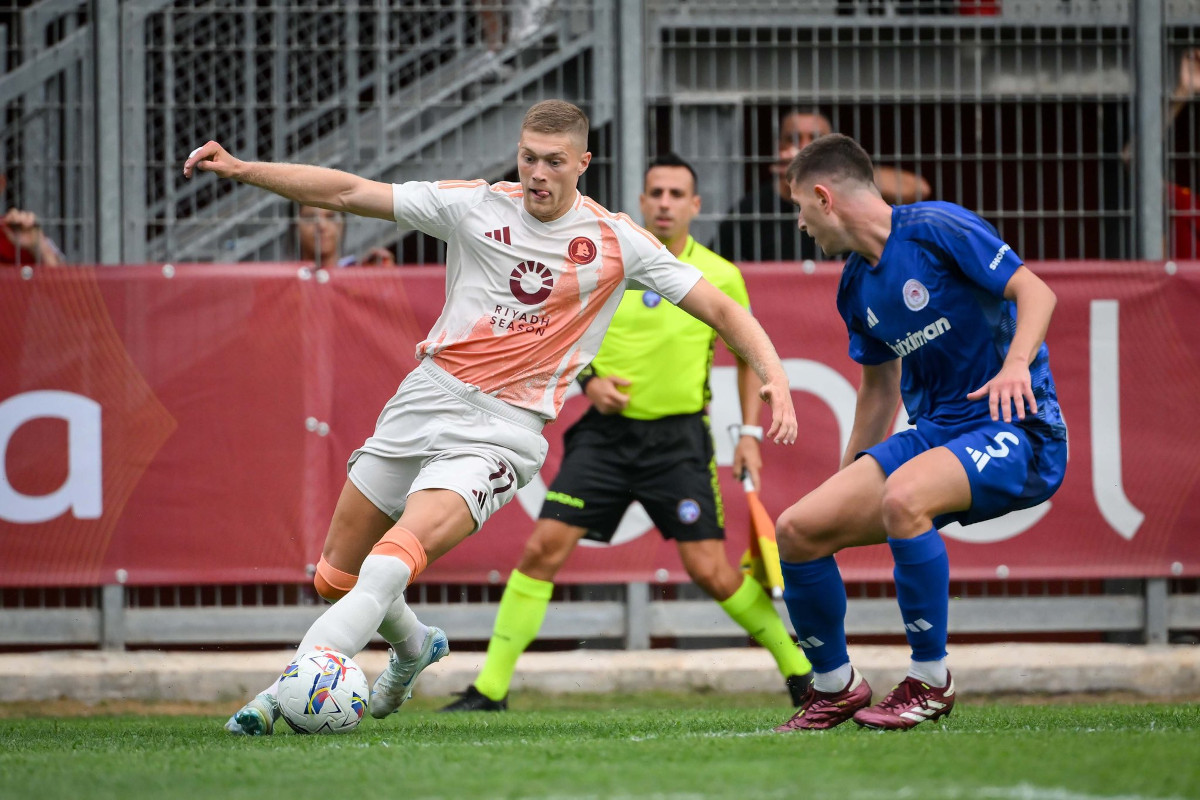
column 23, row 243
column 507, row 25
column 1182, row 236
column 646, row 438
column 1184, row 239
column 320, row 233
column 762, row 226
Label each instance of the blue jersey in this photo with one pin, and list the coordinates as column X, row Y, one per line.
column 936, row 300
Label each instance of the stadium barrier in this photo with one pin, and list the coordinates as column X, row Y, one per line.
column 187, row 426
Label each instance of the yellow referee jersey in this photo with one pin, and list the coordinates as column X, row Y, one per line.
column 662, row 350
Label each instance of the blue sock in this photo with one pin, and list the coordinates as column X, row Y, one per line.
column 922, row 576
column 816, row 601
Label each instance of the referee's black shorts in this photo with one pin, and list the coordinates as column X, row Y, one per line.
column 666, row 464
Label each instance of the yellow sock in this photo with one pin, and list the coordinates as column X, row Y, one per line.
column 518, row 620
column 751, row 608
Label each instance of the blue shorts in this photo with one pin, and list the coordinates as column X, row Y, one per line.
column 1009, row 466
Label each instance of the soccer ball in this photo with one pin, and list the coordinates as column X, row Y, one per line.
column 323, row 691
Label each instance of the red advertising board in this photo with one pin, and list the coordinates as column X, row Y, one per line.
column 191, row 425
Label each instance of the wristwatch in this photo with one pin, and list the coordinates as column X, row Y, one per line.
column 753, row 431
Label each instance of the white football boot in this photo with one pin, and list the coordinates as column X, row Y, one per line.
column 394, row 686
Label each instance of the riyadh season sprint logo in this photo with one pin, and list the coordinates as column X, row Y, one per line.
column 531, row 282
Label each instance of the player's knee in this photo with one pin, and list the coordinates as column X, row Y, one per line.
column 793, row 531
column 801, row 538
column 332, row 583
column 900, row 510
column 544, row 553
column 538, row 560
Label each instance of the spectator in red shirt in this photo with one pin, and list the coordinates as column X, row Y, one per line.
column 1182, row 234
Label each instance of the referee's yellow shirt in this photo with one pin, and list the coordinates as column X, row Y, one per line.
column 663, row 351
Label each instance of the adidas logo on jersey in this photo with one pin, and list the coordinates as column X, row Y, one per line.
column 872, row 320
column 500, row 235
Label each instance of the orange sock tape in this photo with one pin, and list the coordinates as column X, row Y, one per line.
column 400, row 543
column 331, row 583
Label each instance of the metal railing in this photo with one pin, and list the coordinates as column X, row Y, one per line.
column 633, row 615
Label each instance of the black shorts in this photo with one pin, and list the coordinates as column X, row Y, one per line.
column 666, row 464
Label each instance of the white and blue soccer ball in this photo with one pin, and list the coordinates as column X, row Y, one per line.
column 323, row 691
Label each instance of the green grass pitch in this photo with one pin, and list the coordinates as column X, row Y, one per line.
column 629, row 746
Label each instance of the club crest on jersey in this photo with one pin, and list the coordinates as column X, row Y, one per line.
column 531, row 282
column 582, row 250
column 688, row 511
column 916, row 296
column 651, row 299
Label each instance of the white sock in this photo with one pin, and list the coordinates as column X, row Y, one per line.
column 933, row 673
column 832, row 682
column 347, row 625
column 402, row 630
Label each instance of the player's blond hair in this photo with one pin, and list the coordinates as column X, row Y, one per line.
column 557, row 116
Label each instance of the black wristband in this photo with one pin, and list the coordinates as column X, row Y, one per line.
column 584, row 377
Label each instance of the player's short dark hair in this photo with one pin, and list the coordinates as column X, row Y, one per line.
column 557, row 116
column 835, row 156
column 673, row 160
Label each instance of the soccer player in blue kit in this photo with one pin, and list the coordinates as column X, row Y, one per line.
column 942, row 314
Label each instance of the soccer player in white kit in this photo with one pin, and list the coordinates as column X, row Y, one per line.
column 534, row 273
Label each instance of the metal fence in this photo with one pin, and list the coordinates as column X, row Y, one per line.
column 1037, row 113
column 634, row 616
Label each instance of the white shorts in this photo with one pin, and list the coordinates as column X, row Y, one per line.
column 440, row 433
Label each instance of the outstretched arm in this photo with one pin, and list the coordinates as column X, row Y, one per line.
column 742, row 332
column 307, row 185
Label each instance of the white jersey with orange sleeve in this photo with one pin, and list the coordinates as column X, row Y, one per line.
column 528, row 302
